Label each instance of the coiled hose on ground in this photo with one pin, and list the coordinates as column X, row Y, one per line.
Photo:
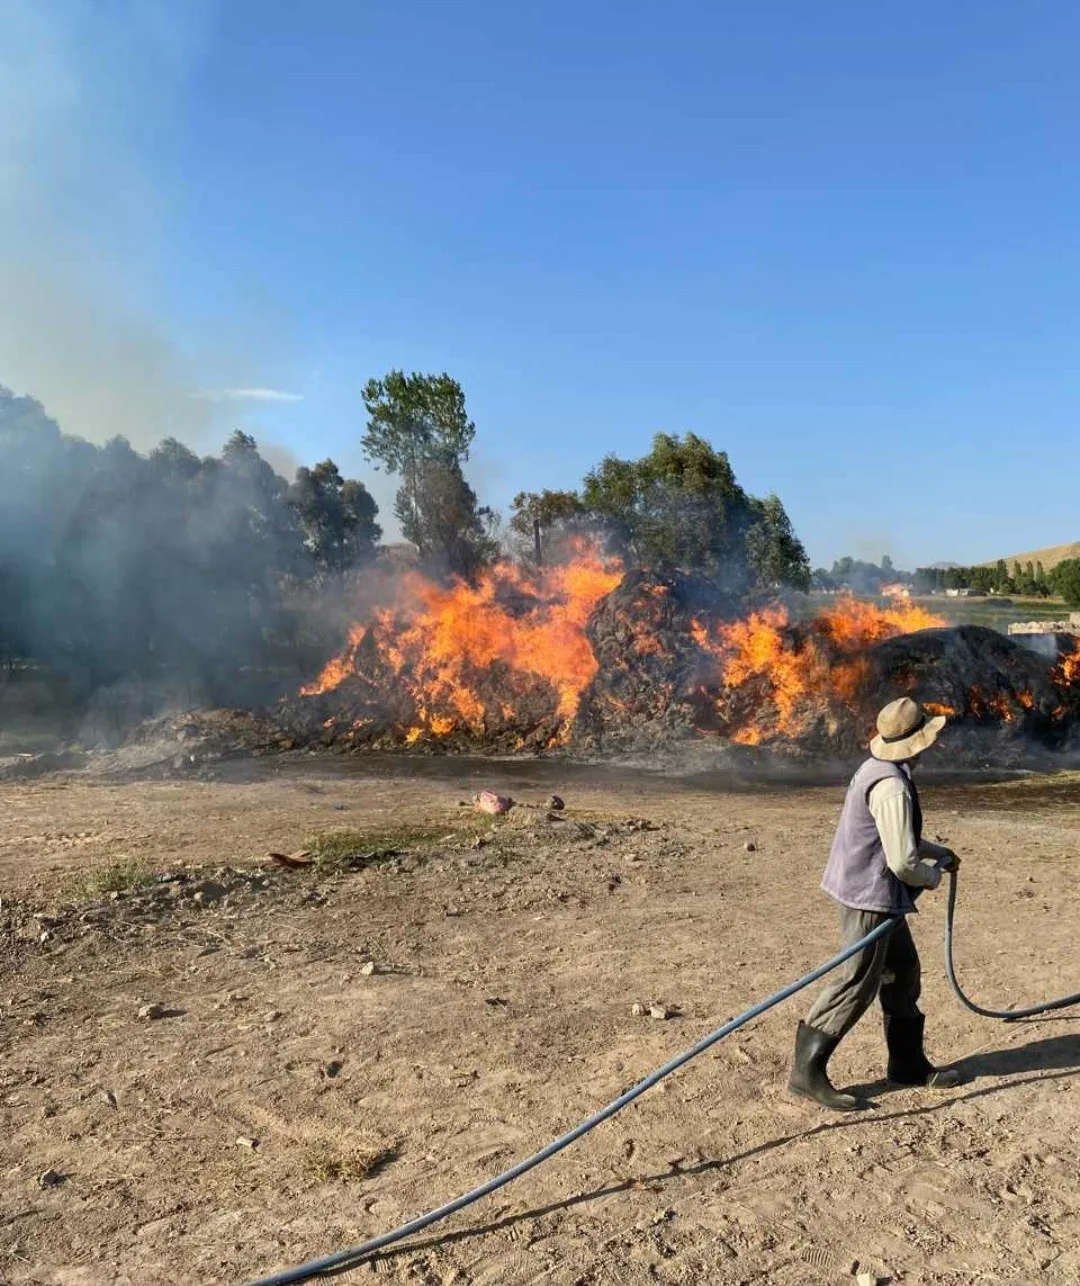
column 344, row 1260
column 1006, row 1015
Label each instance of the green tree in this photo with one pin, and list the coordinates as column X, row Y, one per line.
column 450, row 527
column 536, row 516
column 337, row 515
column 774, row 553
column 1065, row 580
column 679, row 505
column 416, row 421
column 981, row 578
column 173, row 463
column 1001, row 577
column 38, row 484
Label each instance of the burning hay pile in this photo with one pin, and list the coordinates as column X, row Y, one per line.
column 499, row 665
column 585, row 657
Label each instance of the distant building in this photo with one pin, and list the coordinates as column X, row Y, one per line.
column 962, row 593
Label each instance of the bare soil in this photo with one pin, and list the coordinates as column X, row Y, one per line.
column 289, row 1102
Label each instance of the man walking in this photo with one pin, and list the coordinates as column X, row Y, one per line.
column 878, row 857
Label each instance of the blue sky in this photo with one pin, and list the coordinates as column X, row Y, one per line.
column 839, row 240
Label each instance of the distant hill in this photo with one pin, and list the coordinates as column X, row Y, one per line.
column 1049, row 557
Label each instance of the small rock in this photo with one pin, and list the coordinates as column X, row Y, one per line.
column 272, row 1016
column 332, row 1069
column 50, row 1179
column 489, row 802
column 555, row 804
column 866, row 1279
column 150, row 1012
column 750, row 846
column 244, row 1142
column 637, row 1010
column 661, row 1011
column 369, row 968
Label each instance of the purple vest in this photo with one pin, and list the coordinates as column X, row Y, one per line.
column 857, row 874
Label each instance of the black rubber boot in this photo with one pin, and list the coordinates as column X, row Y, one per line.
column 813, row 1049
column 908, row 1064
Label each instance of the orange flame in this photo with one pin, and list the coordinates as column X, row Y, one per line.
column 438, row 638
column 1069, row 666
column 794, row 680
column 335, row 672
column 758, row 648
column 855, row 624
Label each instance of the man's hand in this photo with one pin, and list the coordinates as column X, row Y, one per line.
column 950, row 862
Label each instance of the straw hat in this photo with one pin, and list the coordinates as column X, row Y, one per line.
column 904, row 731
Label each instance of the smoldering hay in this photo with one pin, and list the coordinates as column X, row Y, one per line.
column 594, row 660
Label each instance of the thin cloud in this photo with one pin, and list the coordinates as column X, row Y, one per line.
column 249, row 395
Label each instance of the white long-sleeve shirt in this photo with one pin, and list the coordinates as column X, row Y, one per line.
column 911, row 863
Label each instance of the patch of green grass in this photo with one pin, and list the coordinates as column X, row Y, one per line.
column 354, row 850
column 328, row 1165
column 120, row 877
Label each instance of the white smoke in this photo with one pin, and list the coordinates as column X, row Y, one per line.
column 91, row 100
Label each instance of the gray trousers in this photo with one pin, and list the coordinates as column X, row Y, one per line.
column 888, row 968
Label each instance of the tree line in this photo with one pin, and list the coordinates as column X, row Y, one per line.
column 678, row 506
column 1030, row 579
column 118, row 564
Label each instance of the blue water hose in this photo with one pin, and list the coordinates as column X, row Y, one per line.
column 345, row 1259
column 1006, row 1015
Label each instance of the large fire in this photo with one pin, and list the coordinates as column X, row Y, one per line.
column 476, row 657
column 439, row 641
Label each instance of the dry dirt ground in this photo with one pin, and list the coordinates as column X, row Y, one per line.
column 290, row 1102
